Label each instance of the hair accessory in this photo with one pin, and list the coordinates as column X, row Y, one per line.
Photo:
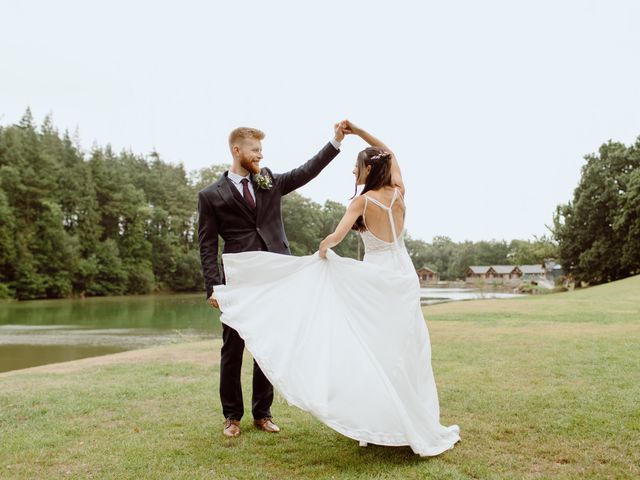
column 382, row 155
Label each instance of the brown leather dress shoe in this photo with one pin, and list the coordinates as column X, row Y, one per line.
column 266, row 425
column 231, row 427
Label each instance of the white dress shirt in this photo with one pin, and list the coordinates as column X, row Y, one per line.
column 236, row 179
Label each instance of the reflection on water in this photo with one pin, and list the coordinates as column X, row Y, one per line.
column 431, row 296
column 14, row 357
column 126, row 338
column 48, row 331
column 145, row 311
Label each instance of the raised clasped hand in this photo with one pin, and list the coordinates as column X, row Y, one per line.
column 348, row 128
column 339, row 131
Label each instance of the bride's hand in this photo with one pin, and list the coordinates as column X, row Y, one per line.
column 322, row 251
column 349, row 128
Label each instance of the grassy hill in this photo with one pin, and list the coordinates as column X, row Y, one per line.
column 542, row 387
column 609, row 303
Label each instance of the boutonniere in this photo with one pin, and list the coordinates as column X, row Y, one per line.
column 264, row 182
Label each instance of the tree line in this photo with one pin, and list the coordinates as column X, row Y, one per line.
column 107, row 223
column 451, row 259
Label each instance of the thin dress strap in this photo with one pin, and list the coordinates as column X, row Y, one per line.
column 366, row 203
column 389, row 210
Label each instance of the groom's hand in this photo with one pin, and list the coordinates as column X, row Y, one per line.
column 339, row 132
column 213, row 302
column 349, row 128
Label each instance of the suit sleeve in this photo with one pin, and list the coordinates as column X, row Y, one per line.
column 208, row 239
column 296, row 178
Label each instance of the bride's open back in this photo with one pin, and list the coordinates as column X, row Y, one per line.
column 383, row 214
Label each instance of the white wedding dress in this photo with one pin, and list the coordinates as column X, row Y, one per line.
column 342, row 339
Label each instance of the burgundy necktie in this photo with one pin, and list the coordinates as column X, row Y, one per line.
column 247, row 194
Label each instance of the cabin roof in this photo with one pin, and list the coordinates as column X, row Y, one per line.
column 503, row 268
column 532, row 269
column 479, row 269
column 422, row 269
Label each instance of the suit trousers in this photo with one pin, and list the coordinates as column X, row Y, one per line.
column 230, row 386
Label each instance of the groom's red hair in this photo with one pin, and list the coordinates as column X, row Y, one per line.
column 241, row 133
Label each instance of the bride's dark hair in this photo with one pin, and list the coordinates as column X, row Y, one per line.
column 379, row 176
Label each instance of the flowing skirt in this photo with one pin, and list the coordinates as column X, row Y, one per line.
column 342, row 339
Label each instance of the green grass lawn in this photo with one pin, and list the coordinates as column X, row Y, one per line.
column 542, row 387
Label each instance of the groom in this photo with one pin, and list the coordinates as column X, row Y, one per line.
column 243, row 207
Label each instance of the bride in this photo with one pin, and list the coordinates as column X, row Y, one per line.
column 342, row 339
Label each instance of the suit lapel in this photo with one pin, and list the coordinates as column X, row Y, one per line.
column 233, row 198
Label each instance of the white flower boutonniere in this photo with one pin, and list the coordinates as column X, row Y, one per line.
column 264, row 182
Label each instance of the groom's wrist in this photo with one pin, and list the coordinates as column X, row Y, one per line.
column 336, row 144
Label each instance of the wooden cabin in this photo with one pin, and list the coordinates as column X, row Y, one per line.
column 475, row 272
column 532, row 272
column 493, row 273
column 426, row 275
column 513, row 273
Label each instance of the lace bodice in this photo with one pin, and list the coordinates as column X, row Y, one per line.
column 373, row 243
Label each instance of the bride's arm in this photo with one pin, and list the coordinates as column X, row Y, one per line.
column 354, row 210
column 396, row 175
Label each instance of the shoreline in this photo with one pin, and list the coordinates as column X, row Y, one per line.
column 569, row 309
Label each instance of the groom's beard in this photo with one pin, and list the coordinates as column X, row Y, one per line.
column 250, row 166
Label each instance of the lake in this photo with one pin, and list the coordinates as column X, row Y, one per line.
column 49, row 331
column 431, row 296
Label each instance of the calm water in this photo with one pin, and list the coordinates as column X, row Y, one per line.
column 432, row 296
column 49, row 331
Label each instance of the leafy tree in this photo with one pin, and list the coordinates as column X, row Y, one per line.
column 206, row 176
column 421, row 253
column 303, row 223
column 332, row 213
column 526, row 252
column 7, row 235
column 188, row 273
column 52, row 252
column 110, row 277
column 628, row 222
column 596, row 231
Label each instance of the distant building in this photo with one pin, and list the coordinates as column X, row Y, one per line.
column 553, row 270
column 530, row 272
column 475, row 272
column 492, row 273
column 426, row 275
column 549, row 270
column 504, row 272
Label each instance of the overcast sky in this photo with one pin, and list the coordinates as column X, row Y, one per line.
column 490, row 106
